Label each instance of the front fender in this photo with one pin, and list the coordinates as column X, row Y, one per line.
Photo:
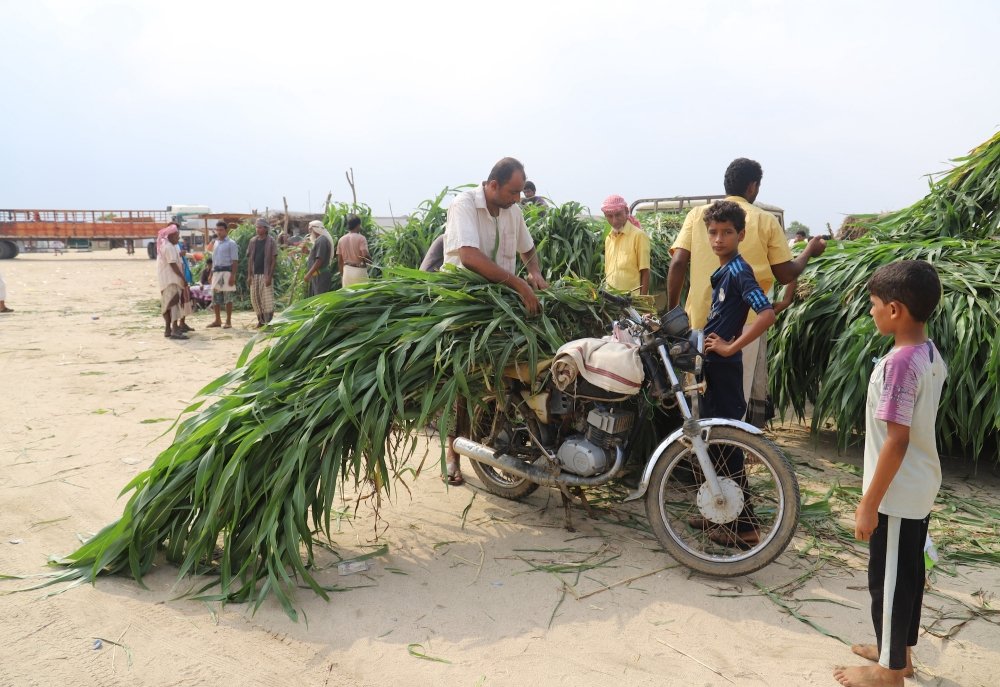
column 675, row 436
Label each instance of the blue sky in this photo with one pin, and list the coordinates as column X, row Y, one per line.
column 141, row 104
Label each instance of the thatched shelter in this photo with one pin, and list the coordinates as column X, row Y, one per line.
column 855, row 226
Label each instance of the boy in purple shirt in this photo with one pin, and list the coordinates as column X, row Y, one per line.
column 902, row 471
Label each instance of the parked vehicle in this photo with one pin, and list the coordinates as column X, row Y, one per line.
column 706, row 476
column 682, row 204
column 28, row 229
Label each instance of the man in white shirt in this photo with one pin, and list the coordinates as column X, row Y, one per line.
column 486, row 231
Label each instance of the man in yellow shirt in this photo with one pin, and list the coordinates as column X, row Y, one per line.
column 626, row 249
column 764, row 248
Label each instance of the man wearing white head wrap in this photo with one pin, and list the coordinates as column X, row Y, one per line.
column 171, row 279
column 318, row 264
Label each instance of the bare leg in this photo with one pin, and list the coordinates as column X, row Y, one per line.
column 870, row 651
column 578, row 492
column 453, row 461
column 218, row 316
column 567, row 503
column 166, row 316
column 229, row 315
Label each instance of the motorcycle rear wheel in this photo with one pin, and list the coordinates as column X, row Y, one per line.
column 771, row 489
column 496, row 481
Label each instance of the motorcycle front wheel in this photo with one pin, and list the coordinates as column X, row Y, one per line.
column 688, row 532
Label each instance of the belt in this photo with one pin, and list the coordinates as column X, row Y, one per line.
column 227, row 268
column 351, row 264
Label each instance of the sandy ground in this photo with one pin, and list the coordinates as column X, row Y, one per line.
column 86, row 381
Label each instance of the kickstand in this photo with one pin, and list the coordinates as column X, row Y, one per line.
column 567, row 502
column 578, row 492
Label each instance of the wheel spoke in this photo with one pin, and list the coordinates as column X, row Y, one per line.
column 714, row 539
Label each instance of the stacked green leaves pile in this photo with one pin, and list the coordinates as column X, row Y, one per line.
column 406, row 244
column 963, row 203
column 567, row 241
column 662, row 228
column 336, row 395
column 824, row 345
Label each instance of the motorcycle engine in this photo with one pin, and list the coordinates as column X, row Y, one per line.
column 591, row 454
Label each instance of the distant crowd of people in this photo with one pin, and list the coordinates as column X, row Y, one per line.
column 217, row 282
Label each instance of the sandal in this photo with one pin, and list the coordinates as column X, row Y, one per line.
column 6, row 309
column 453, row 478
column 741, row 540
column 179, row 335
column 214, row 324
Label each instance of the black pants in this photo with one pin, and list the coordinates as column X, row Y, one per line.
column 724, row 398
column 896, row 583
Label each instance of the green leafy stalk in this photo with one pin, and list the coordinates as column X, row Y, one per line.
column 824, row 345
column 336, row 394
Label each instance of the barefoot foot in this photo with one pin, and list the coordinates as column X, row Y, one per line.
column 870, row 651
column 868, row 676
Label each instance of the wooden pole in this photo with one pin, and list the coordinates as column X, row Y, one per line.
column 350, row 181
column 285, row 201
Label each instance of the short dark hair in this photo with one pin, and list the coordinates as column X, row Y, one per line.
column 740, row 173
column 504, row 170
column 353, row 222
column 800, row 233
column 529, row 186
column 726, row 211
column 221, row 223
column 914, row 283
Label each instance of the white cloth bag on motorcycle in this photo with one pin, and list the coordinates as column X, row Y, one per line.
column 608, row 365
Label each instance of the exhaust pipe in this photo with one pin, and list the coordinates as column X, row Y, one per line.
column 486, row 455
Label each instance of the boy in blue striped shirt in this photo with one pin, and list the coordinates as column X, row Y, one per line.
column 734, row 292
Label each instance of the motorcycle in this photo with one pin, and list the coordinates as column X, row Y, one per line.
column 720, row 497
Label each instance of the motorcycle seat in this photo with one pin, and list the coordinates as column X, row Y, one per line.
column 522, row 371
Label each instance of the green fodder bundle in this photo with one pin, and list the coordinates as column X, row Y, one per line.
column 568, row 242
column 661, row 228
column 824, row 346
column 337, row 395
column 962, row 203
column 405, row 245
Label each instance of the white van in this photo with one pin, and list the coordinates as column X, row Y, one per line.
column 188, row 215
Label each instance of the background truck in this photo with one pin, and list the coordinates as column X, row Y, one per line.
column 33, row 229
column 22, row 229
